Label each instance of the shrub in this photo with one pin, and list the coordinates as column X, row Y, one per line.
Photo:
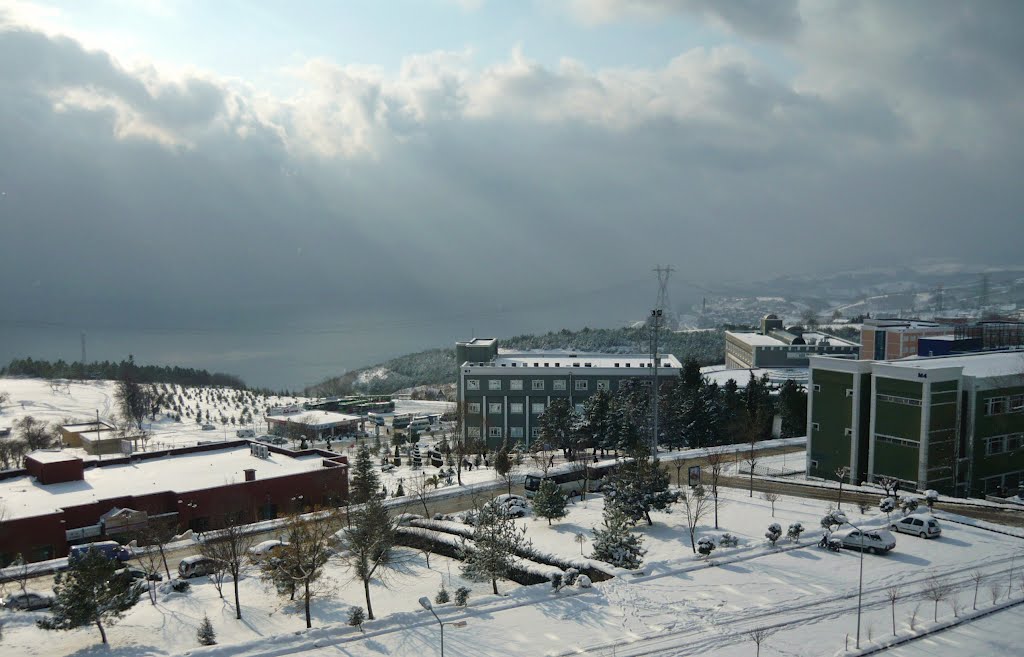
column 583, row 582
column 356, row 617
column 774, row 533
column 180, row 585
column 570, row 576
column 556, row 581
column 794, row 531
column 705, row 546
column 728, row 540
column 205, row 633
column 461, row 596
column 442, row 596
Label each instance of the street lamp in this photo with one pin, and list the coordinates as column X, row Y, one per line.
column 425, row 603
column 860, row 582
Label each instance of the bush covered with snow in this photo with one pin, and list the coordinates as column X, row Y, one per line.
column 583, row 582
column 728, row 540
column 705, row 546
column 794, row 532
column 774, row 533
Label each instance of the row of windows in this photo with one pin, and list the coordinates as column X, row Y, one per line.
column 1005, row 483
column 896, row 440
column 514, row 408
column 498, row 432
column 1001, row 405
column 537, row 384
column 1002, row 444
column 906, row 401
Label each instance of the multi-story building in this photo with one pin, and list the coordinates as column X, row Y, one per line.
column 889, row 339
column 503, row 394
column 774, row 347
column 954, row 424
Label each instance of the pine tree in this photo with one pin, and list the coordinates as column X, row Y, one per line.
column 638, row 487
column 496, row 538
column 365, row 480
column 205, row 633
column 615, row 544
column 549, row 501
column 89, row 594
column 369, row 545
column 442, row 595
column 356, row 617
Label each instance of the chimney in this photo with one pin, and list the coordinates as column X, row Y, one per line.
column 250, row 474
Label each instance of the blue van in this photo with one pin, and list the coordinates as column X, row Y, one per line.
column 109, row 549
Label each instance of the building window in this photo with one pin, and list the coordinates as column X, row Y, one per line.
column 473, row 432
column 815, row 426
column 515, row 384
column 602, row 384
column 995, row 406
column 472, row 384
column 494, row 384
column 537, row 408
column 515, row 408
column 538, row 384
column 582, row 385
column 893, row 399
column 534, row 432
column 494, row 432
column 558, row 384
column 474, row 408
column 1014, row 441
column 849, row 392
column 515, row 432
column 817, row 388
column 494, row 408
column 896, row 440
column 847, row 431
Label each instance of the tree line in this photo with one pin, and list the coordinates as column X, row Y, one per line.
column 108, row 370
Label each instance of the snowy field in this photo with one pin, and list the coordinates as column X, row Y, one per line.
column 680, row 605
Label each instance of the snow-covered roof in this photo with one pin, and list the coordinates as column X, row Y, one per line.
column 759, row 340
column 24, row 496
column 87, row 426
column 52, row 456
column 741, row 376
column 1002, row 363
column 570, row 359
column 316, row 419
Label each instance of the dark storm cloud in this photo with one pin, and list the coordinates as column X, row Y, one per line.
column 134, row 198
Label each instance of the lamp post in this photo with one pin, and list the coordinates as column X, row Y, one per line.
column 425, row 603
column 860, row 582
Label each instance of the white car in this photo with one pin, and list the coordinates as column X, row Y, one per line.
column 918, row 524
column 266, row 549
column 873, row 541
column 28, row 601
column 512, row 505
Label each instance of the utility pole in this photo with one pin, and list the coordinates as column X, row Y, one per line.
column 656, row 321
column 83, row 348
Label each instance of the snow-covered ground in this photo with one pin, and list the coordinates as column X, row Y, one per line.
column 680, row 605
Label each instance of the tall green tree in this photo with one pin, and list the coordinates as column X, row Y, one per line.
column 558, row 426
column 549, row 501
column 88, row 593
column 793, row 408
column 365, row 480
column 615, row 544
column 596, row 421
column 639, row 486
column 496, row 538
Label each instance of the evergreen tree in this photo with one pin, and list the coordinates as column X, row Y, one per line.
column 557, row 426
column 793, row 408
column 597, row 420
column 356, row 617
column 89, row 594
column 369, row 545
column 442, row 595
column 549, row 501
column 205, row 633
column 615, row 544
column 365, row 480
column 638, row 487
column 496, row 539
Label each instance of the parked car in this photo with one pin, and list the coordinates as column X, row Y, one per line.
column 918, row 524
column 208, row 427
column 134, row 573
column 245, row 433
column 513, row 505
column 196, row 566
column 266, row 549
column 28, row 601
column 109, row 549
column 873, row 541
column 278, row 440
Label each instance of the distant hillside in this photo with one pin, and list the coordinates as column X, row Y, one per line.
column 438, row 366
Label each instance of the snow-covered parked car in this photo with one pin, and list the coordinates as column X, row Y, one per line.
column 873, row 541
column 918, row 524
column 512, row 505
column 266, row 549
column 28, row 601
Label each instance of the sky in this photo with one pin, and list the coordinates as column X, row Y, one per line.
column 178, row 164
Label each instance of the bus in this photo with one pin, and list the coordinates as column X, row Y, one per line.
column 401, row 421
column 570, row 478
column 376, row 419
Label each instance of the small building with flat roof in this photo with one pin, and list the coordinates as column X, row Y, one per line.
column 772, row 346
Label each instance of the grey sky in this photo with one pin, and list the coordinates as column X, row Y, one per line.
column 812, row 136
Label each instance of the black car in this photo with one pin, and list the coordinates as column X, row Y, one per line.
column 134, row 574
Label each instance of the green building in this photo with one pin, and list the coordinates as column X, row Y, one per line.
column 504, row 393
column 954, row 424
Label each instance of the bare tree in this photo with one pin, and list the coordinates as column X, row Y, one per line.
column 955, row 604
column 759, row 636
column 893, row 593
column 936, row 591
column 716, row 462
column 230, row 547
column 771, row 497
column 841, row 473
column 158, row 533
column 34, row 433
column 994, row 589
column 419, row 487
column 977, row 577
column 12, row 453
column 300, row 563
column 20, row 573
column 752, row 460
column 149, row 562
column 695, row 504
column 913, row 617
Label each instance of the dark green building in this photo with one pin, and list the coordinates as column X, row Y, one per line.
column 503, row 394
column 953, row 424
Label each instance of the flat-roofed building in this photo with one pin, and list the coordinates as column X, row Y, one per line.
column 889, row 339
column 954, row 424
column 505, row 393
column 773, row 346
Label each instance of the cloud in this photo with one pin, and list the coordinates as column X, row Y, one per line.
column 777, row 19
column 446, row 188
